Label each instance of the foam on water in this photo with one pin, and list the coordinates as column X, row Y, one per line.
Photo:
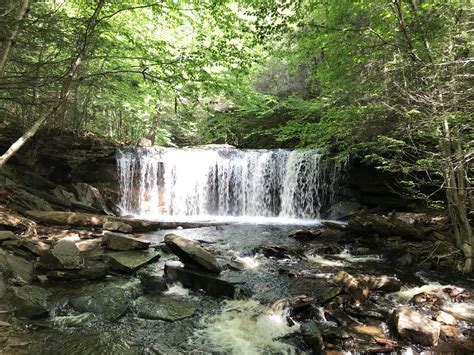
column 346, row 255
column 322, row 261
column 249, row 262
column 247, row 327
column 178, row 290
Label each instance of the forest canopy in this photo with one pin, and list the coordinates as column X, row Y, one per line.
column 387, row 82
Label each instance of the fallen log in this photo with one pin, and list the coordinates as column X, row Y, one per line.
column 89, row 220
column 371, row 224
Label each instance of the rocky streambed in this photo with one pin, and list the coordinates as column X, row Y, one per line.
column 222, row 289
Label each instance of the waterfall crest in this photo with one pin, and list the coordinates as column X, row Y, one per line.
column 220, row 182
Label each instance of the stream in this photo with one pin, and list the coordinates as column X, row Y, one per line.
column 257, row 325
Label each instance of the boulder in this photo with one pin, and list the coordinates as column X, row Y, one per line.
column 132, row 260
column 415, row 327
column 120, row 241
column 198, row 280
column 67, row 254
column 167, row 308
column 117, row 227
column 445, row 318
column 313, row 337
column 30, row 301
column 15, row 268
column 190, row 253
column 153, row 283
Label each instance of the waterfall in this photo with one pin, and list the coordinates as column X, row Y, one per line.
column 220, row 181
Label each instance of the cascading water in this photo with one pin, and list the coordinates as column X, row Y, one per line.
column 220, row 182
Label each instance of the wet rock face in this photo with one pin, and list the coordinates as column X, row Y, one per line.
column 415, row 327
column 120, row 241
column 165, row 308
column 190, row 253
column 30, row 301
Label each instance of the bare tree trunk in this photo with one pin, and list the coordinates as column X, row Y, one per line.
column 11, row 39
column 457, row 194
column 65, row 88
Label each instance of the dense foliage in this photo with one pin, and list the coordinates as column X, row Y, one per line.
column 386, row 82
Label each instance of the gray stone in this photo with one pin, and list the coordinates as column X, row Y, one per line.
column 67, row 254
column 415, row 327
column 109, row 302
column 167, row 308
column 312, row 337
column 132, row 260
column 7, row 235
column 91, row 270
column 30, row 301
column 13, row 267
column 117, row 227
column 445, row 318
column 190, row 253
column 153, row 283
column 329, row 294
column 198, row 280
column 119, row 241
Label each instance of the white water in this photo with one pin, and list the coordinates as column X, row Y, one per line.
column 222, row 182
column 247, row 327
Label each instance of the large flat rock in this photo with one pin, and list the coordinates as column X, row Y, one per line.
column 191, row 253
column 120, row 241
column 110, row 301
column 164, row 307
column 132, row 260
column 209, row 283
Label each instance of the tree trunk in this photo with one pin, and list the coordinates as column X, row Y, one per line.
column 457, row 194
column 65, row 88
column 11, row 39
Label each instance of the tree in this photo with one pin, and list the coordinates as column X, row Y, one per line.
column 65, row 90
